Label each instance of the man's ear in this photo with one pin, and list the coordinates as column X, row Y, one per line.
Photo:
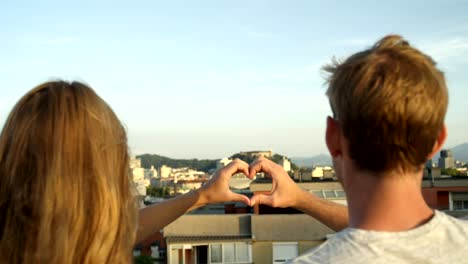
column 439, row 142
column 333, row 137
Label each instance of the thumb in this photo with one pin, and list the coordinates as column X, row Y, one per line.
column 261, row 199
column 235, row 197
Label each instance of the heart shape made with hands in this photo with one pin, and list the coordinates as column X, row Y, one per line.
column 283, row 187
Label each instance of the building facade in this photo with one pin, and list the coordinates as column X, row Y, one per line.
column 276, row 235
column 241, row 238
column 286, row 164
column 446, row 160
column 447, row 194
column 222, row 163
column 258, row 153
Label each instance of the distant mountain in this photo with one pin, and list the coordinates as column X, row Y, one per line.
column 318, row 160
column 460, row 152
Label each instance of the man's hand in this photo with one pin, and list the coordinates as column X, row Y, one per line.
column 284, row 193
column 217, row 189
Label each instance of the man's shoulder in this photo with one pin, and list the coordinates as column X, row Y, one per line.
column 456, row 228
column 442, row 238
column 449, row 222
column 337, row 249
column 463, row 220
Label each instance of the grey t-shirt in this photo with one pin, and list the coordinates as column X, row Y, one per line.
column 444, row 239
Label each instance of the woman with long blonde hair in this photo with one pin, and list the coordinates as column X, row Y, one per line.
column 65, row 191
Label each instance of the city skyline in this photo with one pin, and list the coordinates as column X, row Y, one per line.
column 209, row 79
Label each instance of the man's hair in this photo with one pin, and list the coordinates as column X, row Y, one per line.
column 65, row 191
column 390, row 101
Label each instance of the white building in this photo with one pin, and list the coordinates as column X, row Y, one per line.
column 321, row 172
column 138, row 176
column 164, row 171
column 222, row 163
column 135, row 163
column 141, row 188
column 186, row 174
column 286, row 164
column 151, row 173
column 459, row 164
column 258, row 153
column 183, row 179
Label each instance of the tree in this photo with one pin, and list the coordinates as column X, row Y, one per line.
column 157, row 192
column 142, row 259
column 165, row 191
column 452, row 172
column 247, row 158
column 277, row 158
column 148, row 160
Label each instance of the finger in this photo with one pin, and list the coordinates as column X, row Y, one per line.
column 243, row 162
column 261, row 199
column 261, row 165
column 237, row 166
column 235, row 197
column 254, row 168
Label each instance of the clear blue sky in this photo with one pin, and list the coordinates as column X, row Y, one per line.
column 207, row 79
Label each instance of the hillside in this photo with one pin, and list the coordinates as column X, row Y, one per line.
column 460, row 152
column 148, row 160
column 249, row 159
column 318, row 160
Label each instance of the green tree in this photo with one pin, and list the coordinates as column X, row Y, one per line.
column 142, row 259
column 452, row 172
column 148, row 160
column 277, row 158
column 247, row 158
column 164, row 191
column 157, row 192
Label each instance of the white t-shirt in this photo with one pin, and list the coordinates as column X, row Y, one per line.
column 444, row 239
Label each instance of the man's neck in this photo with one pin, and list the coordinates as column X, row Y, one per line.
column 386, row 202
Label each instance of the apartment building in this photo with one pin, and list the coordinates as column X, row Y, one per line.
column 242, row 238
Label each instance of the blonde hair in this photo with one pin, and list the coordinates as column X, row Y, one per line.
column 391, row 102
column 65, row 193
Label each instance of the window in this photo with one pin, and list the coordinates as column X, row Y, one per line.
column 154, row 251
column 230, row 253
column 459, row 200
column 216, row 251
column 460, row 205
column 330, row 194
column 284, row 252
column 242, row 252
column 318, row 193
column 340, row 193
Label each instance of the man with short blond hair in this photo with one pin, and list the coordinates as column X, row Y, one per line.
column 389, row 103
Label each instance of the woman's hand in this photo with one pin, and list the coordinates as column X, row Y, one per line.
column 216, row 190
